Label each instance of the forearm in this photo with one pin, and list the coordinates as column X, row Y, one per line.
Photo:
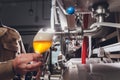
column 6, row 70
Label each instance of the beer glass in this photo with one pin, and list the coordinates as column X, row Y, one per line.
column 42, row 41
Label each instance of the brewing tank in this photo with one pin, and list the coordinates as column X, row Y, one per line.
column 91, row 71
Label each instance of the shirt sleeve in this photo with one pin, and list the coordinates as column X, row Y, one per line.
column 6, row 70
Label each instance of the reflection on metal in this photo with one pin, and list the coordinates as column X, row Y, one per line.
column 61, row 7
column 96, row 26
column 90, row 46
column 109, row 48
column 91, row 71
column 53, row 10
column 63, row 20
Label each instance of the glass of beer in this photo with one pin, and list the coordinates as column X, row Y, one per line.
column 42, row 41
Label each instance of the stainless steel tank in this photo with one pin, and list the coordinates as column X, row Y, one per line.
column 91, row 71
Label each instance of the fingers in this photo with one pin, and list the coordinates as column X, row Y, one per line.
column 20, row 63
column 34, row 66
column 27, row 58
column 36, row 56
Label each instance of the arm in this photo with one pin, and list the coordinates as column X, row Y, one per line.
column 6, row 70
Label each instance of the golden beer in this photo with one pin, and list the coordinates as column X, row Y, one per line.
column 41, row 46
column 42, row 41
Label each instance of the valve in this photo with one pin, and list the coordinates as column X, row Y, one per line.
column 100, row 10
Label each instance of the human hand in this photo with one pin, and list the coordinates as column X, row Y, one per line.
column 21, row 66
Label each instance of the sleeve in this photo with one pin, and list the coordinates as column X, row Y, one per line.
column 6, row 70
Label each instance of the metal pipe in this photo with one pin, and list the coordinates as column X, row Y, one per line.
column 96, row 26
column 56, row 17
column 52, row 19
column 84, row 52
column 109, row 24
column 63, row 19
column 84, row 49
column 90, row 46
column 93, row 28
column 109, row 48
column 61, row 7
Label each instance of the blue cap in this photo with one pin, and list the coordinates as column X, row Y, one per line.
column 70, row 10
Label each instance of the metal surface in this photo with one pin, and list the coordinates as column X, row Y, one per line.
column 109, row 48
column 84, row 5
column 96, row 26
column 100, row 71
column 97, row 69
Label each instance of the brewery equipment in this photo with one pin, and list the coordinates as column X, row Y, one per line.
column 84, row 33
column 88, row 49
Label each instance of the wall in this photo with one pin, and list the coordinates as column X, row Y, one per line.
column 17, row 15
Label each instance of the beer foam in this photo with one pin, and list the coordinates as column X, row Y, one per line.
column 43, row 36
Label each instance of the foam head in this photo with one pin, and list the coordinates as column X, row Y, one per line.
column 44, row 35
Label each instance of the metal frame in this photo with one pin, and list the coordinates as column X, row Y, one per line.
column 109, row 48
